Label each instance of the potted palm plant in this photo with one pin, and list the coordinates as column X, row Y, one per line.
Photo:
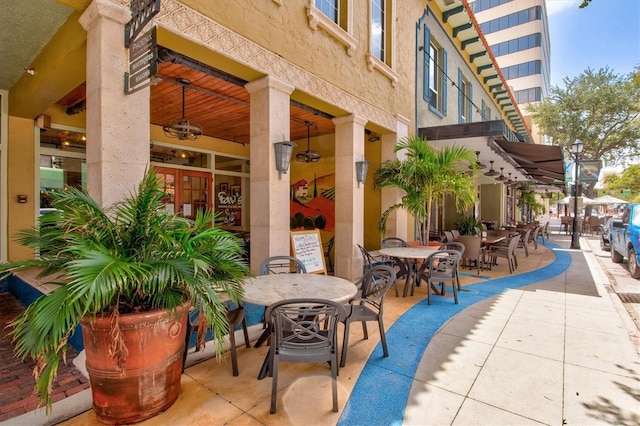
column 128, row 275
column 427, row 175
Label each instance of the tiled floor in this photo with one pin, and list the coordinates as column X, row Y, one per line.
column 211, row 395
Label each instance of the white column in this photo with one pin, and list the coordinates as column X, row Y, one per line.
column 397, row 223
column 270, row 211
column 117, row 124
column 349, row 209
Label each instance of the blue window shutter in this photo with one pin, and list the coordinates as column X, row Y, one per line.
column 482, row 112
column 460, row 97
column 470, row 119
column 426, row 93
column 489, row 118
column 443, row 90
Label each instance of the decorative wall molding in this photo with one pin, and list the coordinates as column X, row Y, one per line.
column 177, row 18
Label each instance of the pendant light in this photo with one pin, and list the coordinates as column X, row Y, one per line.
column 491, row 172
column 308, row 156
column 509, row 181
column 479, row 165
column 182, row 129
column 502, row 177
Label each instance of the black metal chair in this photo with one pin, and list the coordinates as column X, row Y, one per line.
column 282, row 265
column 441, row 267
column 235, row 317
column 304, row 330
column 328, row 249
column 402, row 266
column 367, row 306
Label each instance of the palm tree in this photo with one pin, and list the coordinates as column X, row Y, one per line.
column 131, row 257
column 427, row 175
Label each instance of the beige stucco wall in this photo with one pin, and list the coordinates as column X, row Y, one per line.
column 20, row 180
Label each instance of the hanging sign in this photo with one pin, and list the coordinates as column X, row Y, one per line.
column 142, row 11
column 143, row 64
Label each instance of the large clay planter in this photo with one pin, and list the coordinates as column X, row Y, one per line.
column 151, row 380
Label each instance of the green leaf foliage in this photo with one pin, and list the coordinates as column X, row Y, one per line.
column 427, row 175
column 131, row 257
column 600, row 108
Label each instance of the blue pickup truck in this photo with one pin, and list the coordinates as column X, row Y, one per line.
column 624, row 234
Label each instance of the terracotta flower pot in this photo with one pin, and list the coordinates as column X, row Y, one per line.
column 150, row 382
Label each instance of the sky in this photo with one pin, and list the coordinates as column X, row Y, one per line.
column 605, row 33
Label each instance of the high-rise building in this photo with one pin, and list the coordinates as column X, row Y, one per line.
column 518, row 34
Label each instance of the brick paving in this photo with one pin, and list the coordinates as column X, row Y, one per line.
column 16, row 381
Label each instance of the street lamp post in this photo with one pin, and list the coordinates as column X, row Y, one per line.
column 576, row 149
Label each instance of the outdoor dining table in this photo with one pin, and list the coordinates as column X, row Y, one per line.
column 488, row 242
column 412, row 255
column 267, row 289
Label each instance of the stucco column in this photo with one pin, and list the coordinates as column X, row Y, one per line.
column 270, row 211
column 349, row 197
column 397, row 225
column 117, row 124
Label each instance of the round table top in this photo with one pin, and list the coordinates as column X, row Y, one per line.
column 267, row 289
column 408, row 252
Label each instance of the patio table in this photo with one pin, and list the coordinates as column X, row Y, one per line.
column 267, row 289
column 411, row 255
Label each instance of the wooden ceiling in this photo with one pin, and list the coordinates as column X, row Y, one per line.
column 219, row 106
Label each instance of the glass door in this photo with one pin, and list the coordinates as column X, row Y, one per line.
column 187, row 191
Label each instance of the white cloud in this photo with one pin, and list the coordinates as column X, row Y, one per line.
column 558, row 6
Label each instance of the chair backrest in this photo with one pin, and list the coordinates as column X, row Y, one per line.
column 513, row 244
column 448, row 236
column 526, row 238
column 366, row 257
column 304, row 330
column 443, row 263
column 454, row 245
column 328, row 246
column 282, row 265
column 472, row 246
column 375, row 283
column 455, row 234
column 394, row 242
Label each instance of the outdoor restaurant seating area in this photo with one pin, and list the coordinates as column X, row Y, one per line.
column 303, row 393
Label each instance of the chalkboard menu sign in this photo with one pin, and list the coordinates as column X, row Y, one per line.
column 307, row 246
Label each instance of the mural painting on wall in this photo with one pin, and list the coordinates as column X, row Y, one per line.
column 312, row 203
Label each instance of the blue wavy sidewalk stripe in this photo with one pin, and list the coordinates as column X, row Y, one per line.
column 380, row 395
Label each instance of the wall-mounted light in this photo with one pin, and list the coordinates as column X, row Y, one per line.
column 284, row 150
column 361, row 171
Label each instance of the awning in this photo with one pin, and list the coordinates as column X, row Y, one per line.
column 499, row 147
column 544, row 164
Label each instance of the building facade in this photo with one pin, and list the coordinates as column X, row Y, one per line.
column 518, row 34
column 342, row 79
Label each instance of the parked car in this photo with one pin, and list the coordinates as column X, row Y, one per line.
column 624, row 235
column 605, row 242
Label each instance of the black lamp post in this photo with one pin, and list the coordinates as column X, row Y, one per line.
column 576, row 149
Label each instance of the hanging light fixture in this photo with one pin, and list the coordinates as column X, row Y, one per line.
column 515, row 183
column 479, row 165
column 308, row 156
column 182, row 129
column 509, row 181
column 502, row 177
column 491, row 172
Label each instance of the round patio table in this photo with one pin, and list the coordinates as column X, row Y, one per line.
column 411, row 255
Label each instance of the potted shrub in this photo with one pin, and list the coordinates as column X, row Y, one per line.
column 121, row 270
column 427, row 175
column 468, row 225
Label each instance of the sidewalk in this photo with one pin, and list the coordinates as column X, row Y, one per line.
column 550, row 346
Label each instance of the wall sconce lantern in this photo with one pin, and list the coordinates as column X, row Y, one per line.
column 284, row 150
column 361, row 171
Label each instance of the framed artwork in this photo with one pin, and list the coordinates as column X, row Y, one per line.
column 235, row 190
column 224, row 187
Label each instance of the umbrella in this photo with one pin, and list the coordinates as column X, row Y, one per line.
column 581, row 200
column 608, row 199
